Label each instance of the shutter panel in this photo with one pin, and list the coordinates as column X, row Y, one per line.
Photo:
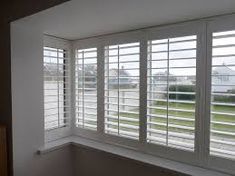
column 122, row 90
column 171, row 92
column 222, row 139
column 56, row 88
column 86, row 88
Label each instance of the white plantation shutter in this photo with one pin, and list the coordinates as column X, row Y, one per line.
column 122, row 90
column 171, row 92
column 222, row 138
column 160, row 94
column 86, row 88
column 56, row 88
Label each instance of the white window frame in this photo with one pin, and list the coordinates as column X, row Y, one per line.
column 78, row 117
column 76, row 130
column 57, row 133
column 100, row 43
column 224, row 23
column 203, row 29
column 185, row 29
column 141, row 36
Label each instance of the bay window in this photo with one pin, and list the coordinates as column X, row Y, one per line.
column 164, row 91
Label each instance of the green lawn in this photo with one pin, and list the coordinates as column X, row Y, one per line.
column 186, row 115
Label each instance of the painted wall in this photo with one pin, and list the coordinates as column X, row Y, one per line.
column 91, row 162
column 27, row 109
column 9, row 11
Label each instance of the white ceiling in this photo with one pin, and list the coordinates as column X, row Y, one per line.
column 85, row 18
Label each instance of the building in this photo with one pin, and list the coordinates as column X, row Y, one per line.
column 223, row 76
column 121, row 78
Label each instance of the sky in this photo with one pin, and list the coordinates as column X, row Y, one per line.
column 182, row 55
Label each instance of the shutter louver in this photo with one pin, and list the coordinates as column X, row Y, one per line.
column 222, row 138
column 56, row 88
column 86, row 88
column 171, row 92
column 122, row 90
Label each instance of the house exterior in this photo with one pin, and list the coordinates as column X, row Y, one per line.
column 90, row 73
column 223, row 79
column 124, row 81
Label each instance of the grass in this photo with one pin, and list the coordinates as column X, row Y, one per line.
column 186, row 115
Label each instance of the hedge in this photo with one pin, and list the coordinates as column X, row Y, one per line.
column 183, row 89
column 227, row 99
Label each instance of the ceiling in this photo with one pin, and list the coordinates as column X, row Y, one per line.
column 85, row 18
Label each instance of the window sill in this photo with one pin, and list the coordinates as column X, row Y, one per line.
column 128, row 153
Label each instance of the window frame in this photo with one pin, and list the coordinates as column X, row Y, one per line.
column 60, row 132
column 75, row 66
column 141, row 36
column 100, row 43
column 118, row 62
column 203, row 29
column 171, row 31
column 224, row 23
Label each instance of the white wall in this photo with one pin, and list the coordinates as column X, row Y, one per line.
column 27, row 109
